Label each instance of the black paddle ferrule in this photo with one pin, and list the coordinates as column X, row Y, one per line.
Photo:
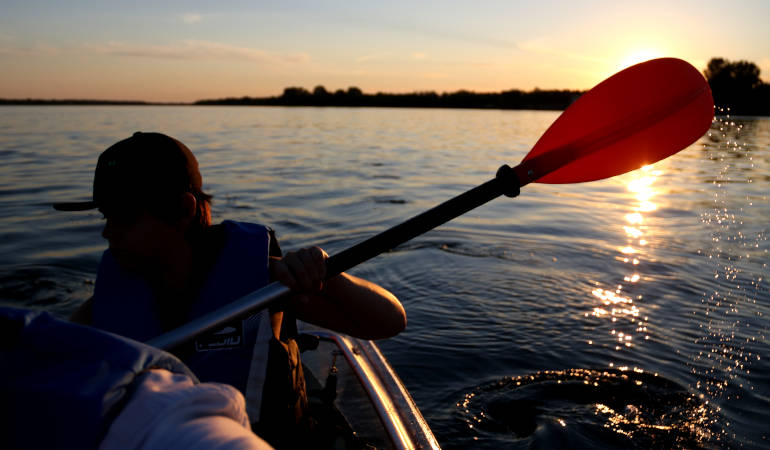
column 510, row 182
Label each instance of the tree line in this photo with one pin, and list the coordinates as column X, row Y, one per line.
column 353, row 96
column 736, row 87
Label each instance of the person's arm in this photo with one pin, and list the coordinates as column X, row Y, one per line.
column 344, row 303
column 170, row 411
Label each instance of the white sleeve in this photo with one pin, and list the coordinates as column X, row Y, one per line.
column 169, row 411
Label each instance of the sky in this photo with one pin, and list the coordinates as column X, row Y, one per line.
column 182, row 51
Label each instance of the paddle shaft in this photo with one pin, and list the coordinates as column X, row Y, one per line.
column 505, row 183
column 638, row 116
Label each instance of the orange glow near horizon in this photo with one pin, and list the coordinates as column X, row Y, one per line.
column 182, row 53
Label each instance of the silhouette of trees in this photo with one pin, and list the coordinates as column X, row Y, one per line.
column 734, row 84
column 354, row 92
column 354, row 96
column 320, row 91
column 737, row 85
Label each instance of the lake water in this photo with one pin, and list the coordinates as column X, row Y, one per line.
column 629, row 312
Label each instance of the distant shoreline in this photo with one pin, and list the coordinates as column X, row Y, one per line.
column 353, row 97
column 239, row 102
column 536, row 100
column 736, row 87
column 41, row 102
column 71, row 102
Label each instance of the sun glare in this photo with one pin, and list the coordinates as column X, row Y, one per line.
column 640, row 55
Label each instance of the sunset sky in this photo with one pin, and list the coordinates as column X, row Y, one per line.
column 190, row 50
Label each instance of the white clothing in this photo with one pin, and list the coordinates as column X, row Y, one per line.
column 168, row 411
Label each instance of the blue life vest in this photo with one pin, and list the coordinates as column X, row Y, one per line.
column 62, row 384
column 235, row 354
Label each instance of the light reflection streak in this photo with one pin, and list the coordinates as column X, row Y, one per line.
column 613, row 304
column 626, row 400
column 633, row 232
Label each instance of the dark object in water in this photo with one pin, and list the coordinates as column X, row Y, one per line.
column 609, row 407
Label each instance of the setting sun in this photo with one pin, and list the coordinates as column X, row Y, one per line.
column 641, row 55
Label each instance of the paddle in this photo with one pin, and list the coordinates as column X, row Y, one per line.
column 636, row 117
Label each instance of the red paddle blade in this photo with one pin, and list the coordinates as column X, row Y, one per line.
column 636, row 117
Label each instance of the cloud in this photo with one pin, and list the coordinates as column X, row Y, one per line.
column 373, row 57
column 192, row 17
column 544, row 48
column 200, row 50
column 390, row 55
column 433, row 31
column 435, row 76
column 11, row 48
column 11, row 45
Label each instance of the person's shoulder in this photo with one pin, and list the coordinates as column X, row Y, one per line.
column 218, row 234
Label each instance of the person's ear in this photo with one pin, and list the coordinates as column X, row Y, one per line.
column 189, row 206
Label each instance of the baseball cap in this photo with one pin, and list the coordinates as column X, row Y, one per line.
column 143, row 170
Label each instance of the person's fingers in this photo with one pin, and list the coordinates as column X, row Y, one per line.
column 303, row 270
column 319, row 259
column 315, row 266
column 280, row 271
column 298, row 271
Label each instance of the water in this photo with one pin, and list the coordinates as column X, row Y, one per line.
column 627, row 312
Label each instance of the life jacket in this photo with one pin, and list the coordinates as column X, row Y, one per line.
column 62, row 384
column 236, row 353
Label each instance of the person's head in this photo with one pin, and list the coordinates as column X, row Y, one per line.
column 148, row 175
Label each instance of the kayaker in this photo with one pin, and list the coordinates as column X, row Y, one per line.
column 167, row 264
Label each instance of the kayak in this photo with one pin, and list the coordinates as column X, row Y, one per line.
column 354, row 382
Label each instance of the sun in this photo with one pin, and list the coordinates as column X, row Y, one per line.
column 640, row 55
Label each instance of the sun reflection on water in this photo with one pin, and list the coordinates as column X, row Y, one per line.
column 614, row 303
column 729, row 334
column 648, row 410
column 731, row 309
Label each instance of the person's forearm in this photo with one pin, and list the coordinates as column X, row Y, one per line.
column 354, row 306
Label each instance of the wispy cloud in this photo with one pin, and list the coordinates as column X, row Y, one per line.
column 192, row 18
column 10, row 47
column 545, row 48
column 390, row 56
column 435, row 75
column 429, row 29
column 200, row 50
column 373, row 57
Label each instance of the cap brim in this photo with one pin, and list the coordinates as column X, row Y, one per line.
column 74, row 206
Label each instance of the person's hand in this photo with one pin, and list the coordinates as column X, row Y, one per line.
column 303, row 271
